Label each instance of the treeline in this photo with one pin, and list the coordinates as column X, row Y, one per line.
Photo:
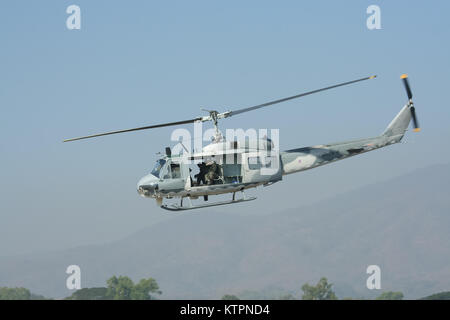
column 120, row 288
column 117, row 288
column 123, row 288
column 324, row 291
column 18, row 294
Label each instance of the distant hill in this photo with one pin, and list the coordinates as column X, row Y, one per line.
column 402, row 225
column 438, row 296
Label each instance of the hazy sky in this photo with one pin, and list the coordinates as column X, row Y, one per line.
column 135, row 63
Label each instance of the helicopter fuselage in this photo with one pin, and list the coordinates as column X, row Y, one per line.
column 241, row 167
column 232, row 166
column 237, row 167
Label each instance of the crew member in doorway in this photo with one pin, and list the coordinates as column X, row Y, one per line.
column 212, row 174
column 201, row 175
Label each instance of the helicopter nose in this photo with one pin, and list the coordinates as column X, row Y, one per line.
column 147, row 185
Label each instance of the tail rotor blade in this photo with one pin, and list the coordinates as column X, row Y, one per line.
column 414, row 119
column 406, row 83
column 415, row 123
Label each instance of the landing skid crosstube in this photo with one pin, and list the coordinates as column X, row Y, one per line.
column 176, row 207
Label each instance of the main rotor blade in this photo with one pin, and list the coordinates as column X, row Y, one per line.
column 235, row 112
column 136, row 129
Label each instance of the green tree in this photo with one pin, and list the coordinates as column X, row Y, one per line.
column 119, row 288
column 230, row 297
column 89, row 294
column 14, row 293
column 390, row 295
column 123, row 288
column 321, row 291
column 142, row 290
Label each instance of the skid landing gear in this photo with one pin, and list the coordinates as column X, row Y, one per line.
column 181, row 207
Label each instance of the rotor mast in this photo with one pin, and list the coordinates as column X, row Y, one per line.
column 214, row 117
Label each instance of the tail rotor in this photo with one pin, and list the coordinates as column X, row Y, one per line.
column 415, row 123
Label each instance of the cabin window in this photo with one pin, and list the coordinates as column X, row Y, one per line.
column 269, row 161
column 254, row 163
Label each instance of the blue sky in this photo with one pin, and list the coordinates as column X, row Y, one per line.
column 142, row 62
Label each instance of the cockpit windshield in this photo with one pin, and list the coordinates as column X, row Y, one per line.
column 157, row 168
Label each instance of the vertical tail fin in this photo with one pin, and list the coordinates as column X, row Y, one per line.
column 399, row 124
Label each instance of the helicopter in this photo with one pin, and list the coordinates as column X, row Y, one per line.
column 231, row 167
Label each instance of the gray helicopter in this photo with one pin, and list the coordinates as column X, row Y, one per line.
column 235, row 166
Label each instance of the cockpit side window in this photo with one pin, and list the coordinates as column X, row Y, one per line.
column 157, row 168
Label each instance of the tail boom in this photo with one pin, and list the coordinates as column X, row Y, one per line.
column 301, row 159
